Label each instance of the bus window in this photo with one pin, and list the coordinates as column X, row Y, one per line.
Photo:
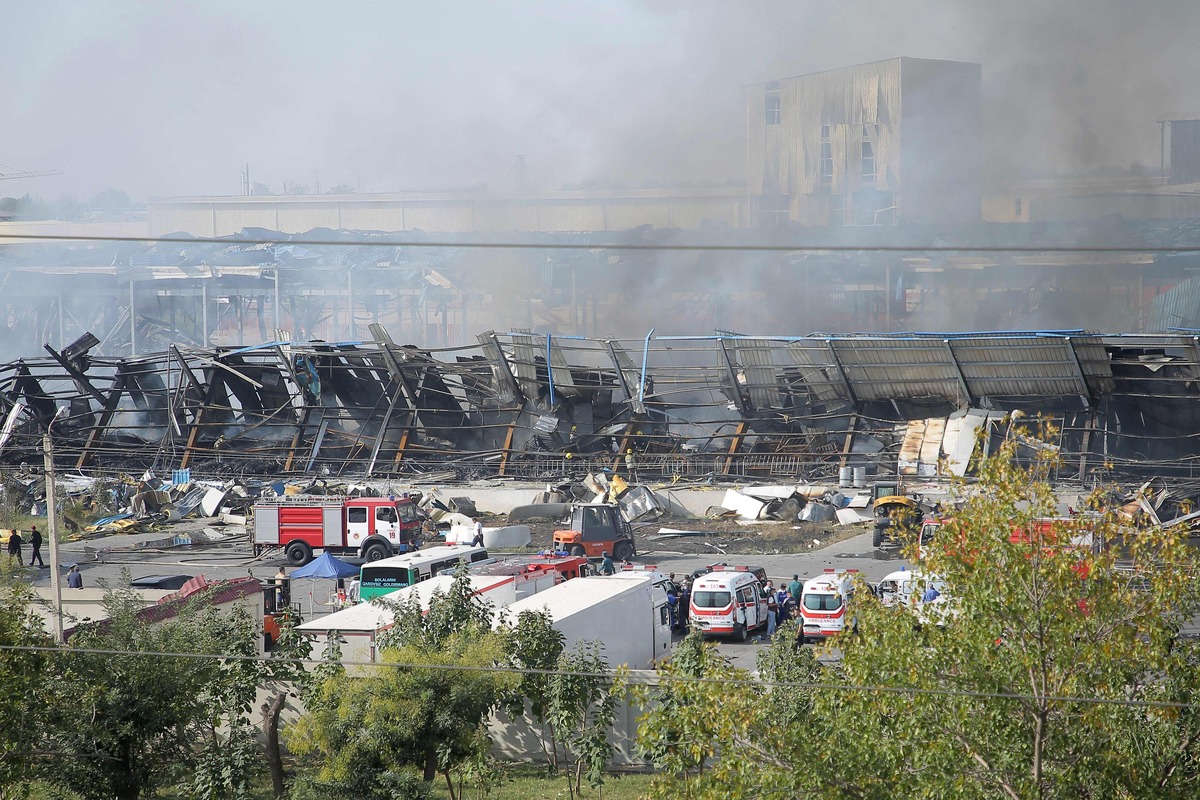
column 480, row 555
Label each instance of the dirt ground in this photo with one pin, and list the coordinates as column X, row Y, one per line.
column 720, row 536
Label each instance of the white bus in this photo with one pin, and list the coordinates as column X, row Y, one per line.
column 385, row 576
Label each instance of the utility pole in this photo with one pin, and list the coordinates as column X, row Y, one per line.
column 52, row 525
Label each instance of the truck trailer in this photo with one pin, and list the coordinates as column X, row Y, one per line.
column 627, row 613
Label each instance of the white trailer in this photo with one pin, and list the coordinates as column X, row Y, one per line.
column 358, row 627
column 627, row 613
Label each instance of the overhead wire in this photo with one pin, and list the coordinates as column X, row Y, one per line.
column 649, row 246
column 637, row 677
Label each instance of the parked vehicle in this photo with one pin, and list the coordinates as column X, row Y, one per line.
column 626, row 612
column 378, row 578
column 896, row 514
column 727, row 601
column 597, row 528
column 824, row 601
column 371, row 528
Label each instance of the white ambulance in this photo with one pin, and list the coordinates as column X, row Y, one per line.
column 727, row 601
column 823, row 604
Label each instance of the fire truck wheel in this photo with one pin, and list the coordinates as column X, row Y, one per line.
column 622, row 551
column 376, row 551
column 298, row 554
column 578, row 550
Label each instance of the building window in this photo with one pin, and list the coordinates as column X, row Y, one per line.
column 869, row 172
column 1017, row 206
column 826, row 156
column 774, row 211
column 774, row 104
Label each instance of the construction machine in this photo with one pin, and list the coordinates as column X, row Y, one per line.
column 597, row 528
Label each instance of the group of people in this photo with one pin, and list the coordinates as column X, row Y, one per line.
column 15, row 553
column 15, row 542
column 782, row 603
column 679, row 599
column 607, row 567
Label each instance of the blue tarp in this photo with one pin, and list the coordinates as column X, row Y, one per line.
column 326, row 566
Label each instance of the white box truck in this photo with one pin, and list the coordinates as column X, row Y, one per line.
column 626, row 612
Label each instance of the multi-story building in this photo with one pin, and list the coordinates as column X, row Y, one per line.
column 895, row 141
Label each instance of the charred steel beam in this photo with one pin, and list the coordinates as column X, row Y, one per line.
column 109, row 407
column 1085, row 394
column 80, row 379
column 508, row 391
column 731, row 372
column 958, row 373
column 215, row 382
column 841, row 372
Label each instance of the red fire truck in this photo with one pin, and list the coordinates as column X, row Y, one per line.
column 368, row 527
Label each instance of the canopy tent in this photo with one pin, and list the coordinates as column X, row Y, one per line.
column 326, row 566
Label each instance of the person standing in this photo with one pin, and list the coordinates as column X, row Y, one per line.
column 795, row 588
column 14, row 547
column 630, row 466
column 35, row 544
column 74, row 578
column 606, row 564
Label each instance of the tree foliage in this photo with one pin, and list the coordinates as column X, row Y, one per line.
column 134, row 720
column 583, row 696
column 25, row 686
column 420, row 712
column 1033, row 681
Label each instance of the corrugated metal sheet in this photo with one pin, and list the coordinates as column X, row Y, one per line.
column 756, row 358
column 885, row 368
column 1019, row 366
column 817, row 370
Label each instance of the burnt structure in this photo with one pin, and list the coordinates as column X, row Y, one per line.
column 519, row 404
column 894, row 141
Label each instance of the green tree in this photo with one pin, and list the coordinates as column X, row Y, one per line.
column 24, row 682
column 536, row 645
column 134, row 720
column 420, row 712
column 583, row 701
column 1053, row 669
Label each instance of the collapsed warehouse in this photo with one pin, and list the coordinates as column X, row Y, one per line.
column 273, row 354
column 525, row 405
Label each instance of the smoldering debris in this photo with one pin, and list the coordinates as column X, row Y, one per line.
column 721, row 408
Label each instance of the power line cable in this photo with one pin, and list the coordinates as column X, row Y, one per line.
column 639, row 677
column 692, row 246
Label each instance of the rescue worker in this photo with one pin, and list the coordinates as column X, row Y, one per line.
column 772, row 608
column 630, row 466
column 35, row 542
column 795, row 588
column 606, row 564
column 14, row 547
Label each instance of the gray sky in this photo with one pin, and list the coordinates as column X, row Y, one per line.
column 173, row 98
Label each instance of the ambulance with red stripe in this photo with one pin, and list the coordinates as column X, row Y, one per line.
column 728, row 602
column 823, row 604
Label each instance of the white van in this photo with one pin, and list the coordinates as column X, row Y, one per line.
column 727, row 601
column 906, row 587
column 823, row 603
